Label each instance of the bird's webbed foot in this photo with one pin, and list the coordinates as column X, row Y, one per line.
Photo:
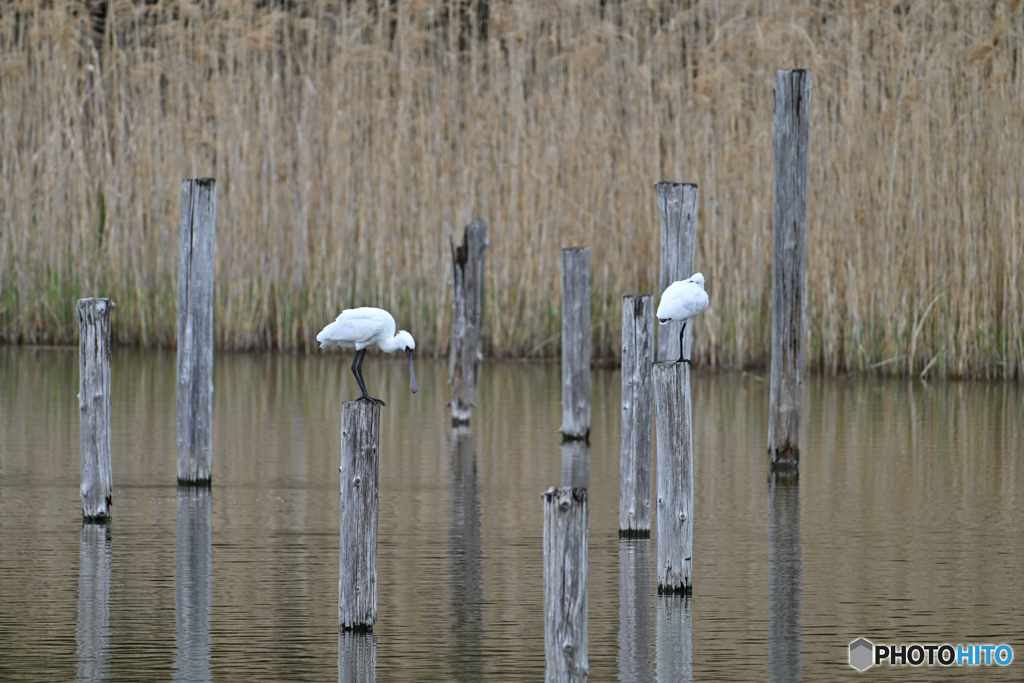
column 371, row 399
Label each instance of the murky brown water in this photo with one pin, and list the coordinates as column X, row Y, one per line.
column 906, row 526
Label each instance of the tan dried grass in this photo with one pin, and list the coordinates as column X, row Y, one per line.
column 350, row 145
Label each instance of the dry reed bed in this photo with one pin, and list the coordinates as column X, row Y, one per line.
column 349, row 145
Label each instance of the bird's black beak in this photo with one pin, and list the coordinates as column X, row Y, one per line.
column 412, row 373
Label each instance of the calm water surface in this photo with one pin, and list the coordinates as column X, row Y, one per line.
column 905, row 526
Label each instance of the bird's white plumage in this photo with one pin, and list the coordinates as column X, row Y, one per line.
column 683, row 300
column 365, row 327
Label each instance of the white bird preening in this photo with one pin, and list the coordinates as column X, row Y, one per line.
column 363, row 328
column 683, row 300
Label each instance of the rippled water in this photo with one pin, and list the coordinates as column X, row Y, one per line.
column 905, row 526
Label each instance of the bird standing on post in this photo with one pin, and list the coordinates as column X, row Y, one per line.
column 683, row 300
column 363, row 328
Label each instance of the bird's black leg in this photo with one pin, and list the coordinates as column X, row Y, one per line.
column 357, row 370
column 681, row 359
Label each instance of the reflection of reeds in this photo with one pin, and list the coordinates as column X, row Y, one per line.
column 349, row 146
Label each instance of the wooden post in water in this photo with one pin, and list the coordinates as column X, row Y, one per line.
column 789, row 260
column 575, row 343
column 677, row 203
column 566, row 527
column 94, row 403
column 357, row 585
column 675, row 477
column 468, row 261
column 195, row 330
column 637, row 415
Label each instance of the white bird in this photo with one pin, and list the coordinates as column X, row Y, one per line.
column 683, row 300
column 363, row 328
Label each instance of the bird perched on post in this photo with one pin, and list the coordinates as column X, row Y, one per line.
column 683, row 300
column 363, row 328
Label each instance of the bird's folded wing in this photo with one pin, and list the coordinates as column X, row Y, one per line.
column 353, row 326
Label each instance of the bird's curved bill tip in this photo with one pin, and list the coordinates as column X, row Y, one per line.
column 412, row 373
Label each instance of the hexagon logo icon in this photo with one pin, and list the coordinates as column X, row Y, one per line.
column 861, row 653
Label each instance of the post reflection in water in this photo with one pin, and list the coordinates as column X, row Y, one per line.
column 675, row 637
column 192, row 585
column 466, row 558
column 357, row 657
column 784, row 577
column 93, row 629
column 576, row 463
column 635, row 610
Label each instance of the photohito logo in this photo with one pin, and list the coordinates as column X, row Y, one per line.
column 865, row 654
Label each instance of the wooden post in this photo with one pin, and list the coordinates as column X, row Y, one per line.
column 357, row 585
column 785, row 583
column 575, row 343
column 635, row 611
column 789, row 261
column 677, row 203
column 195, row 329
column 94, row 405
column 637, row 415
column 92, row 632
column 357, row 657
column 566, row 526
column 675, row 477
column 192, row 576
column 468, row 261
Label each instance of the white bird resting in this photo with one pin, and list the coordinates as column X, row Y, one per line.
column 365, row 327
column 683, row 301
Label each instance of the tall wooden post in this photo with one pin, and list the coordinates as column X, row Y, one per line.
column 468, row 260
column 566, row 527
column 195, row 330
column 575, row 343
column 677, row 203
column 790, row 146
column 357, row 585
column 635, row 625
column 675, row 477
column 94, row 405
column 637, row 415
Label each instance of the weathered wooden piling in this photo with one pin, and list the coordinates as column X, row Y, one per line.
column 790, row 145
column 637, row 415
column 675, row 477
column 94, row 405
column 677, row 204
column 195, row 329
column 575, row 343
column 635, row 625
column 357, row 585
column 566, row 528
column 468, row 260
